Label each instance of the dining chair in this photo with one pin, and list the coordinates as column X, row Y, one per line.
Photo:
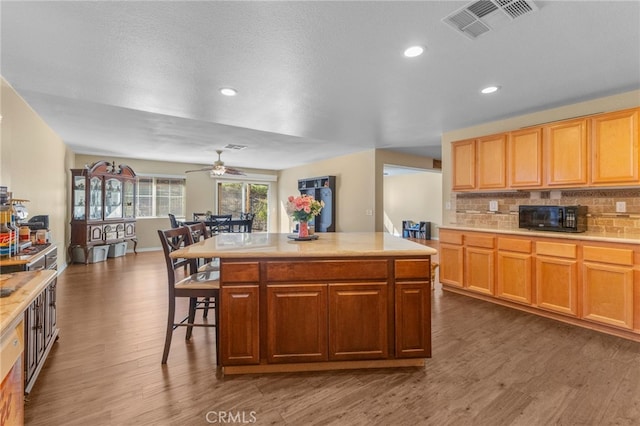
column 220, row 223
column 201, row 288
column 173, row 221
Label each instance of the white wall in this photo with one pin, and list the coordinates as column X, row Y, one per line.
column 415, row 196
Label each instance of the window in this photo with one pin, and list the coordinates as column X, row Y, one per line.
column 236, row 197
column 159, row 196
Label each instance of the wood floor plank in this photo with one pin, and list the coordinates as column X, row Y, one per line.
column 491, row 365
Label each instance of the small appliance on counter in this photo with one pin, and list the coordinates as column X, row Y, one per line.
column 553, row 218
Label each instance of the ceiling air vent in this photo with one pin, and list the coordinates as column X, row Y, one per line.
column 482, row 16
column 234, row 147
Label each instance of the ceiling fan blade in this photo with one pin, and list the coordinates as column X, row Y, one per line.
column 232, row 171
column 204, row 169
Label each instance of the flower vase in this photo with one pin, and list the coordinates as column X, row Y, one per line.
column 303, row 229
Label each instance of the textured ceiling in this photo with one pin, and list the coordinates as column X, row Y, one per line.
column 315, row 79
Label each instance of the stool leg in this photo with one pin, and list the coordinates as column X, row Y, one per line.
column 192, row 316
column 169, row 333
column 206, row 308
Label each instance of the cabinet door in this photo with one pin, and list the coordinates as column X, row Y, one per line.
column 557, row 285
column 30, row 337
column 79, row 195
column 464, row 165
column 451, row 264
column 358, row 318
column 296, row 323
column 479, row 269
column 130, row 230
column 492, row 162
column 607, row 294
column 95, row 198
column 128, row 199
column 514, row 276
column 413, row 320
column 566, row 148
column 614, row 148
column 525, row 158
column 240, row 338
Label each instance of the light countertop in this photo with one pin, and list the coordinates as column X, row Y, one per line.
column 28, row 286
column 328, row 244
column 610, row 237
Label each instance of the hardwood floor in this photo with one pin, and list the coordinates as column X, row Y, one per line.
column 491, row 366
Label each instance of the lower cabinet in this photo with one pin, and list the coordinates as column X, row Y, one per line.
column 514, row 270
column 557, row 277
column 291, row 316
column 593, row 283
column 297, row 323
column 40, row 326
column 358, row 321
column 240, row 325
column 607, row 286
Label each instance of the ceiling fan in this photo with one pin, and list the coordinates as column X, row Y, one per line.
column 218, row 168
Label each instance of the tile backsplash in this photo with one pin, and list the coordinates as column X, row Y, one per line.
column 472, row 209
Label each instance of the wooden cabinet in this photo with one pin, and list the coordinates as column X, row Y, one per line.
column 557, row 277
column 479, row 256
column 103, row 206
column 288, row 312
column 514, row 270
column 297, row 323
column 584, row 282
column 614, row 148
column 463, row 174
column 607, row 285
column 413, row 319
column 566, row 153
column 491, row 164
column 525, row 158
column 40, row 320
column 241, row 335
column 358, row 321
column 451, row 257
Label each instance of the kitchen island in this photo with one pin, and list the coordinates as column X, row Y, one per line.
column 345, row 300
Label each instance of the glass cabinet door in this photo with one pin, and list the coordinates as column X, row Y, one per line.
column 95, row 198
column 112, row 199
column 79, row 198
column 129, row 204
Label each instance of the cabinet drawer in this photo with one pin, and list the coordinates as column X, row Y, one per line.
column 37, row 265
column 51, row 259
column 556, row 249
column 512, row 244
column 413, row 268
column 449, row 237
column 608, row 255
column 95, row 233
column 238, row 272
column 485, row 241
column 326, row 270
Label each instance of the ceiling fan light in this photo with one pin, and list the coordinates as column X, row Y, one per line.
column 218, row 171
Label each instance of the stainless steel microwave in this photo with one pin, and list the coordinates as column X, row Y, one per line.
column 553, row 218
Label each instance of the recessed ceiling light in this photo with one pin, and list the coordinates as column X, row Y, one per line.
column 228, row 91
column 490, row 89
column 413, row 51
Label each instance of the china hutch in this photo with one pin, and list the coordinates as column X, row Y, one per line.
column 103, row 206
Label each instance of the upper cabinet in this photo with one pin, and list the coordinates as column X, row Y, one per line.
column 492, row 161
column 596, row 151
column 525, row 158
column 614, row 150
column 566, row 147
column 464, row 165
